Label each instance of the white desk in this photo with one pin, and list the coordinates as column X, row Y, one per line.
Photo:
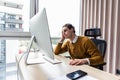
column 48, row 71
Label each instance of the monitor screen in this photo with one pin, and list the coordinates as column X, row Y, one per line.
column 39, row 29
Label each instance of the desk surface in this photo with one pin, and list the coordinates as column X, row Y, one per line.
column 48, row 71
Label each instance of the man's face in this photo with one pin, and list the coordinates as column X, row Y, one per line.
column 67, row 33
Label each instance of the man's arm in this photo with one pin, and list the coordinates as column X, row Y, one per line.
column 60, row 48
column 96, row 57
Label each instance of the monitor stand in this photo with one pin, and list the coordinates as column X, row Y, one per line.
column 35, row 60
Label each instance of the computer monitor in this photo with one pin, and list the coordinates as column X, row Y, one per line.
column 39, row 29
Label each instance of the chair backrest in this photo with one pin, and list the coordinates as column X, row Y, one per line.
column 101, row 44
column 93, row 32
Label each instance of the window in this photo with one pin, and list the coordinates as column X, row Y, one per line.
column 61, row 12
column 14, row 25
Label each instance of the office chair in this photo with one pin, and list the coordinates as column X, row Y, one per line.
column 101, row 44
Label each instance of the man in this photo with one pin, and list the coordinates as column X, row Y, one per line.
column 81, row 49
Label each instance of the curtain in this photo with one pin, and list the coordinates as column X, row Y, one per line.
column 104, row 14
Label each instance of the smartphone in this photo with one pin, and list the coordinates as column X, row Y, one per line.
column 76, row 74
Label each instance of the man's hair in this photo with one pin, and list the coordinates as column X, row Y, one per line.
column 69, row 26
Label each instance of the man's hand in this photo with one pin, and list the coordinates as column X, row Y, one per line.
column 78, row 61
column 62, row 38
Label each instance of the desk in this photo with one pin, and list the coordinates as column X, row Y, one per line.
column 48, row 71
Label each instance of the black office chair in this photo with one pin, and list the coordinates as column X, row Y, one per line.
column 101, row 44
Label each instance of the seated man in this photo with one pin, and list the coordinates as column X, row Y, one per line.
column 81, row 49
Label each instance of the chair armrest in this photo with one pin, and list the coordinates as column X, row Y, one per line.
column 102, row 64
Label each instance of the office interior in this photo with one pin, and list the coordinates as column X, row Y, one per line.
column 103, row 14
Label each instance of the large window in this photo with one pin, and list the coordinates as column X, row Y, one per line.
column 61, row 12
column 14, row 25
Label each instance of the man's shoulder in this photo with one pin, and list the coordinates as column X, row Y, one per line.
column 83, row 37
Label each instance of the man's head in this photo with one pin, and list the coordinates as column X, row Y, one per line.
column 69, row 26
column 68, row 30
